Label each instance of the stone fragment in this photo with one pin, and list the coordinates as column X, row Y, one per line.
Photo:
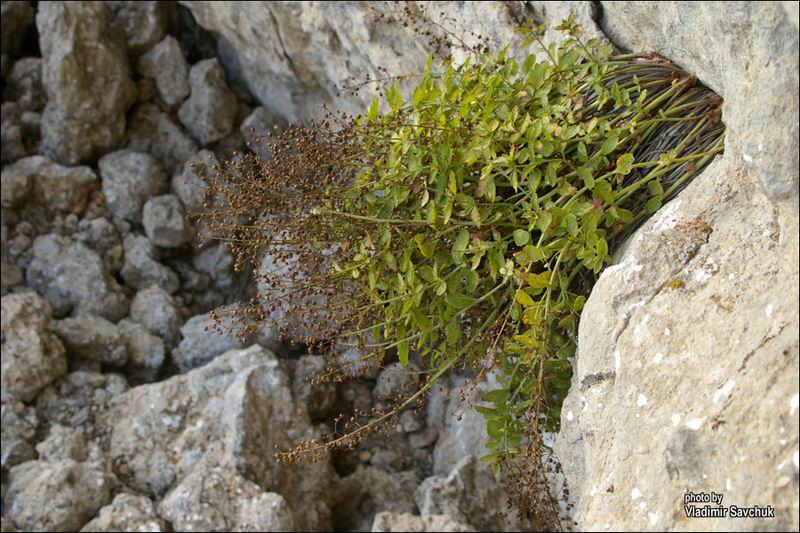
column 145, row 22
column 166, row 64
column 386, row 521
column 92, row 337
column 255, row 127
column 396, row 380
column 58, row 188
column 156, row 310
column 32, row 357
column 24, row 85
column 368, row 491
column 19, row 425
column 165, row 222
column 127, row 512
column 212, row 498
column 129, row 179
column 86, row 76
column 141, row 269
column 155, row 132
column 74, row 279
column 210, row 110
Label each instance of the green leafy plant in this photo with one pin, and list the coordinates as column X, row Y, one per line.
column 467, row 222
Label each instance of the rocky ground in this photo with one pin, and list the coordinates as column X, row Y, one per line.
column 121, row 411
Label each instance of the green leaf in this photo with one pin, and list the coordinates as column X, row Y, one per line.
column 372, row 112
column 608, row 145
column 460, row 244
column 586, row 176
column 572, row 225
column 521, row 237
column 653, row 204
column 425, row 247
column 624, row 163
column 544, row 220
column 402, row 352
column 523, row 298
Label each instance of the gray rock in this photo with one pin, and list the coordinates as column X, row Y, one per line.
column 188, row 185
column 320, row 398
column 166, row 64
column 227, row 413
column 129, row 179
column 733, row 51
column 127, row 512
column 210, row 110
column 201, row 342
column 24, row 85
column 213, row 498
column 92, row 337
column 154, row 131
column 156, row 310
column 165, row 222
column 10, row 277
column 101, row 235
column 354, row 363
column 78, row 399
column 17, row 17
column 396, row 381
column 141, row 269
column 58, row 188
column 63, row 443
column 19, row 425
column 255, row 127
column 56, row 496
column 32, row 357
column 470, row 494
column 217, row 262
column 144, row 22
column 74, row 279
column 295, row 56
column 87, row 79
column 386, row 521
column 369, row 491
column 146, row 351
column 691, row 383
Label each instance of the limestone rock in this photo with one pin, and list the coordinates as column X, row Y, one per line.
column 188, row 185
column 32, row 357
column 216, row 261
column 60, row 189
column 165, row 222
column 141, row 268
column 212, row 498
column 369, row 491
column 319, row 399
column 166, row 64
column 25, row 85
column 63, row 443
column 19, row 425
column 92, row 337
column 145, row 22
column 232, row 412
column 748, row 53
column 210, row 110
column 686, row 372
column 78, row 399
column 56, row 496
column 127, row 513
column 154, row 308
column 395, row 381
column 129, row 179
column 255, row 127
column 155, row 132
column 87, row 80
column 73, row 278
column 386, row 521
column 146, row 352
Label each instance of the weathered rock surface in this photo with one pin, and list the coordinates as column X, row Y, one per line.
column 56, row 496
column 219, row 499
column 32, row 357
column 165, row 222
column 748, row 53
column 386, row 521
column 127, row 513
column 60, row 189
column 155, row 132
column 231, row 413
column 129, row 179
column 154, row 308
column 87, row 80
column 141, row 268
column 17, row 17
column 188, row 185
column 211, row 108
column 368, row 491
column 19, row 425
column 24, row 85
column 165, row 63
column 145, row 22
column 73, row 278
column 255, row 127
column 93, row 337
column 686, row 374
column 146, row 352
